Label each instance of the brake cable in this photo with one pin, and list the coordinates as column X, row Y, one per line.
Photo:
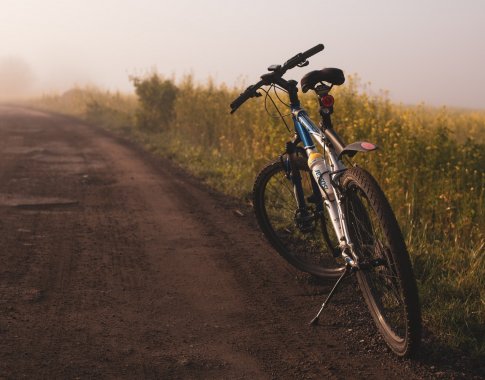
column 280, row 115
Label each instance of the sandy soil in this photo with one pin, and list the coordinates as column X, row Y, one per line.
column 116, row 264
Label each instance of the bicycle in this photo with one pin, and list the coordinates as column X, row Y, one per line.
column 330, row 220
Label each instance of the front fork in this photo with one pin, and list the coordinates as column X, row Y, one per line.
column 304, row 219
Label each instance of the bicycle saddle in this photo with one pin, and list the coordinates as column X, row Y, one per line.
column 330, row 75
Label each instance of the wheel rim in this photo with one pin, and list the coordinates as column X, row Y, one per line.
column 300, row 236
column 379, row 281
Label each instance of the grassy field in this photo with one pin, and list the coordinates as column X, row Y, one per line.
column 431, row 166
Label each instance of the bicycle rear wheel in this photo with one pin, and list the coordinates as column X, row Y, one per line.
column 386, row 277
column 298, row 238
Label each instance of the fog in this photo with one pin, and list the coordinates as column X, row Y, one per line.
column 420, row 51
column 16, row 77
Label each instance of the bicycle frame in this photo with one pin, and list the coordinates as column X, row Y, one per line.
column 308, row 132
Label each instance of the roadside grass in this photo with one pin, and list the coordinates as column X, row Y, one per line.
column 430, row 164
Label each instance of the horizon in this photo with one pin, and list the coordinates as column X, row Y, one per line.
column 417, row 52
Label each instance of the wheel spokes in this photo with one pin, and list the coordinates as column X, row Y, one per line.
column 299, row 230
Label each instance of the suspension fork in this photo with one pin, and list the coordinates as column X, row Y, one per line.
column 305, row 219
column 294, row 174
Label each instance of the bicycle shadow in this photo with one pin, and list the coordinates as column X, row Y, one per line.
column 443, row 359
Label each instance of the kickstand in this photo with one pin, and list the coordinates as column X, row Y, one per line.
column 347, row 270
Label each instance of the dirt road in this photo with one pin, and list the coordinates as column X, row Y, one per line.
column 115, row 264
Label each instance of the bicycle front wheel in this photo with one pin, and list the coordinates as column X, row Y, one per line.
column 298, row 238
column 386, row 277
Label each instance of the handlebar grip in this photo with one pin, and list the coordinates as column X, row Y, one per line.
column 301, row 57
column 250, row 92
column 314, row 50
column 241, row 99
column 238, row 102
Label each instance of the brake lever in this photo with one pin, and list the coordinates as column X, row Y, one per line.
column 257, row 94
column 303, row 64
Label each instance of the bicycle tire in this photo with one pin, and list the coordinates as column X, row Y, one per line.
column 275, row 207
column 388, row 285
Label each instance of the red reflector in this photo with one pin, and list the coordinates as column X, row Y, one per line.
column 327, row 100
column 367, row 145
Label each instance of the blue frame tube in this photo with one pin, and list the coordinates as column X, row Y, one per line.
column 303, row 134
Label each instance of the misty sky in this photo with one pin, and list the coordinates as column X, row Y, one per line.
column 418, row 50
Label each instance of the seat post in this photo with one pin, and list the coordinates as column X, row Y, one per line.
column 326, row 120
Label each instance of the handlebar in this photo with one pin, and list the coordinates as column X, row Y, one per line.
column 276, row 73
column 302, row 57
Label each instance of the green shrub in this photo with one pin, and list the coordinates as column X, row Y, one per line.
column 156, row 98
